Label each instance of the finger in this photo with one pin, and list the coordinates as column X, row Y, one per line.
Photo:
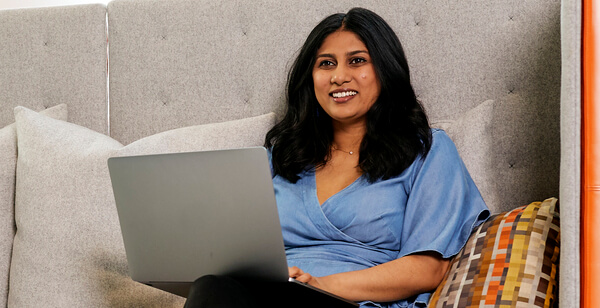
column 294, row 271
column 304, row 277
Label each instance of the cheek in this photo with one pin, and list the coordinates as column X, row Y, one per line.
column 369, row 82
column 369, row 79
column 319, row 80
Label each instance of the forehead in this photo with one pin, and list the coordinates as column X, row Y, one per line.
column 341, row 41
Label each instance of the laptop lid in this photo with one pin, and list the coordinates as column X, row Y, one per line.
column 185, row 215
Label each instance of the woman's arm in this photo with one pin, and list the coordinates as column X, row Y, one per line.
column 391, row 281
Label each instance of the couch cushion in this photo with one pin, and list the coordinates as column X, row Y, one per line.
column 68, row 249
column 512, row 259
column 8, row 164
column 472, row 134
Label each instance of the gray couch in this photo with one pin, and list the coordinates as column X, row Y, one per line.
column 136, row 68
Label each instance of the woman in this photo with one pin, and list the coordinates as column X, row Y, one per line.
column 372, row 202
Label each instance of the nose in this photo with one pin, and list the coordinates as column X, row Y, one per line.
column 340, row 76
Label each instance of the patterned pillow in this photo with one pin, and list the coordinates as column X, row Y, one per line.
column 510, row 260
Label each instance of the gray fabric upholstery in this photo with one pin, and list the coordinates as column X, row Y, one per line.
column 570, row 166
column 8, row 163
column 57, row 260
column 167, row 56
column 68, row 249
column 471, row 132
column 461, row 53
column 176, row 63
column 55, row 55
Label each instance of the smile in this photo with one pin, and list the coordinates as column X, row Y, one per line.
column 344, row 94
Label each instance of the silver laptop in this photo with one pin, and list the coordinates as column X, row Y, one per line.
column 185, row 215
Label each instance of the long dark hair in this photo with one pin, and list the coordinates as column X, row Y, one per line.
column 397, row 126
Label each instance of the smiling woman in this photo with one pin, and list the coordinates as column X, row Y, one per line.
column 372, row 201
column 383, row 122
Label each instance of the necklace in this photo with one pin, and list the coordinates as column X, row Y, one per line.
column 349, row 153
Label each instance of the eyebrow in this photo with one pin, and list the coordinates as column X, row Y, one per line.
column 350, row 53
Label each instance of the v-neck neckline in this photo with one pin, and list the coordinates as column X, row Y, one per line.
column 318, row 212
column 343, row 191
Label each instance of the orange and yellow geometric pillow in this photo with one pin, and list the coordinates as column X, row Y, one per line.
column 509, row 261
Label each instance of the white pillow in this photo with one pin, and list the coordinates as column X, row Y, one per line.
column 68, row 250
column 472, row 135
column 8, row 164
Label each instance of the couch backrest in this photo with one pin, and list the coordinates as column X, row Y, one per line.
column 570, row 166
column 178, row 63
column 48, row 56
column 55, row 55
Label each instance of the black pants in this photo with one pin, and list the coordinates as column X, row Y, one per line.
column 225, row 292
column 219, row 291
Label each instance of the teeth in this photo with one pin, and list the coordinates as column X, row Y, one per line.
column 343, row 94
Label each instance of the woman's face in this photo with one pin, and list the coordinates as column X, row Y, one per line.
column 345, row 82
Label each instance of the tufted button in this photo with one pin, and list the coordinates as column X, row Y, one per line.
column 417, row 21
column 511, row 18
column 163, row 98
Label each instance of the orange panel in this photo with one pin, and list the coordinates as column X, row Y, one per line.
column 590, row 207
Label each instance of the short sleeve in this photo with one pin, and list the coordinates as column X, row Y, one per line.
column 443, row 205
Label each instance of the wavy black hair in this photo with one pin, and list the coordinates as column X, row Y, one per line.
column 397, row 127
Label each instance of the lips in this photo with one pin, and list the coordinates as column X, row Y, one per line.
column 342, row 95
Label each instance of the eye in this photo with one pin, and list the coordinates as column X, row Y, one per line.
column 358, row 60
column 326, row 63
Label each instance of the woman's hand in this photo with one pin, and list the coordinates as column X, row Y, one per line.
column 391, row 281
column 300, row 275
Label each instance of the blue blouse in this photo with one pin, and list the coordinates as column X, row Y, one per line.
column 432, row 206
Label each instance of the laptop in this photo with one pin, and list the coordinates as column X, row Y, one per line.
column 186, row 215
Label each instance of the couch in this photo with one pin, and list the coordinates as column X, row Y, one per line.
column 150, row 76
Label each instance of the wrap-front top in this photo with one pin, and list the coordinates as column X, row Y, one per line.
column 432, row 206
